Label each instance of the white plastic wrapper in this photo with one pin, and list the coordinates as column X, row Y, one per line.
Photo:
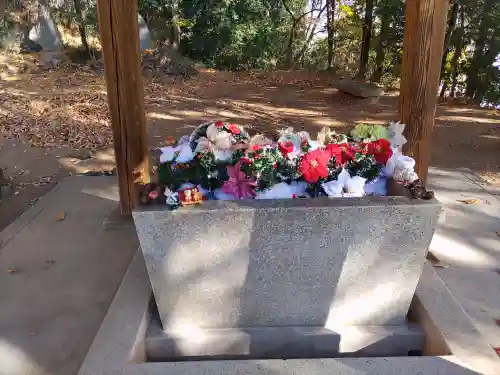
column 283, row 191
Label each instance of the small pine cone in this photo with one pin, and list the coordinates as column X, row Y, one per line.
column 418, row 191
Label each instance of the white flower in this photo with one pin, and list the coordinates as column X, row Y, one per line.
column 260, row 140
column 217, row 142
column 185, row 153
column 283, row 190
column 168, row 154
column 396, row 136
column 181, row 153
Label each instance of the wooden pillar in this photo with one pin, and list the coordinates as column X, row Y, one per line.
column 425, row 26
column 119, row 31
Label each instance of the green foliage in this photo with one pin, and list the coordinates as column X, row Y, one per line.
column 266, row 34
column 364, row 166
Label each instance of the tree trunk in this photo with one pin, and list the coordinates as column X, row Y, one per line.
column 367, row 35
column 444, row 87
column 452, row 21
column 176, row 32
column 459, row 45
column 379, row 60
column 81, row 27
column 473, row 72
column 289, row 47
column 330, row 16
column 307, row 43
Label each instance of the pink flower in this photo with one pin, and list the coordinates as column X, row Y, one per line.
column 153, row 194
column 219, row 124
column 239, row 185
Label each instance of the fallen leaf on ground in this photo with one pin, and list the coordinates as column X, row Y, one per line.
column 497, row 321
column 13, row 270
column 497, row 350
column 435, row 262
column 61, row 216
column 498, row 234
column 470, row 201
column 33, row 333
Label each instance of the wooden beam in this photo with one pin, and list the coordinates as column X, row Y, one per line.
column 425, row 26
column 119, row 31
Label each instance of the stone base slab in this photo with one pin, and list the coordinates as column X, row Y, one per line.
column 453, row 345
column 282, row 343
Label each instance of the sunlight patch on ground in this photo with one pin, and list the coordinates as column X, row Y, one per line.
column 286, row 110
column 468, row 119
column 162, row 116
column 327, row 121
column 15, row 361
column 489, row 136
column 460, row 252
column 226, row 114
column 187, row 113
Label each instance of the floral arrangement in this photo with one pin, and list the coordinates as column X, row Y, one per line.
column 222, row 161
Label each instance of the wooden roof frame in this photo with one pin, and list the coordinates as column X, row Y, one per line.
column 425, row 26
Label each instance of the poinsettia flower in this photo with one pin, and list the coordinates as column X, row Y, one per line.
column 313, row 165
column 219, row 124
column 234, row 129
column 239, row 185
column 380, row 149
column 348, row 152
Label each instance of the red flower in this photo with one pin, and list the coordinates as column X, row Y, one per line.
column 313, row 165
column 219, row 124
column 256, row 148
column 246, row 160
column 334, row 149
column 343, row 152
column 348, row 152
column 153, row 194
column 286, row 147
column 380, row 149
column 234, row 129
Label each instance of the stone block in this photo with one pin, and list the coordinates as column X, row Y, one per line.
column 281, row 342
column 359, row 89
column 285, row 263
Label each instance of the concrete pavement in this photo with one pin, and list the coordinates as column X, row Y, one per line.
column 57, row 278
